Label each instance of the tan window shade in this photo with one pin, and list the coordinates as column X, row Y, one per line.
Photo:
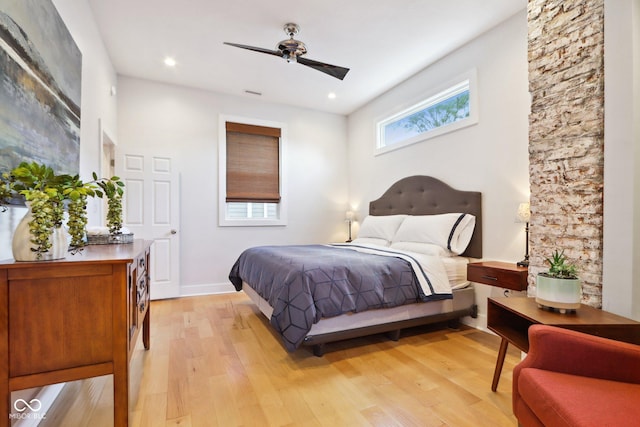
column 252, row 129
column 253, row 163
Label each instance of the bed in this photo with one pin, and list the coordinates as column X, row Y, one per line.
column 276, row 278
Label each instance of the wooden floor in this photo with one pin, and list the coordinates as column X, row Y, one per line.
column 215, row 362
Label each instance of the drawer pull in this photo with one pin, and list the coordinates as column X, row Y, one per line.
column 490, row 277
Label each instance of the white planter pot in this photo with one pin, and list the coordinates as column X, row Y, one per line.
column 21, row 244
column 563, row 294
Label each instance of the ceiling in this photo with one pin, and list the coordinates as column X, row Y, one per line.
column 383, row 42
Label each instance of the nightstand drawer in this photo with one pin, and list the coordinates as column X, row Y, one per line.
column 500, row 274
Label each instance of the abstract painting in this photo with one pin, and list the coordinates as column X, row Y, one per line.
column 40, row 86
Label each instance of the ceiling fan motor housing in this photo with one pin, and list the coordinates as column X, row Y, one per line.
column 291, row 49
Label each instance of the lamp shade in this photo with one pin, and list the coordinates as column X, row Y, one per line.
column 349, row 216
column 524, row 212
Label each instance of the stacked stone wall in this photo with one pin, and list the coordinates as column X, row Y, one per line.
column 566, row 136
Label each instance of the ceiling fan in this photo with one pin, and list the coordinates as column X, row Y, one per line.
column 292, row 50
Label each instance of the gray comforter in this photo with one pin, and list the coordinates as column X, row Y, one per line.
column 306, row 283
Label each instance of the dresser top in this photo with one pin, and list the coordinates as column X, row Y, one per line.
column 124, row 253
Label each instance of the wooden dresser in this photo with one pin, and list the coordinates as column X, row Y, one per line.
column 74, row 318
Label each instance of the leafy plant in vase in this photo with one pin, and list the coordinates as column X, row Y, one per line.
column 77, row 193
column 113, row 189
column 41, row 234
column 559, row 287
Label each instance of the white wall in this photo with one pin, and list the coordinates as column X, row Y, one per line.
column 98, row 76
column 183, row 124
column 490, row 157
column 621, row 258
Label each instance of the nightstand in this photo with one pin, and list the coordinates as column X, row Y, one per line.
column 500, row 274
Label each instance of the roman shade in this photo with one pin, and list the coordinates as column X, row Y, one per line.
column 253, row 163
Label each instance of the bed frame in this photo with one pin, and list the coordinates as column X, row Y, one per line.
column 414, row 195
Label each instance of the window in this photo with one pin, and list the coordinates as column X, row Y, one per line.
column 443, row 111
column 252, row 210
column 251, row 173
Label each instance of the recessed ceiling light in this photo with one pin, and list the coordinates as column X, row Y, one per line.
column 169, row 61
column 331, row 95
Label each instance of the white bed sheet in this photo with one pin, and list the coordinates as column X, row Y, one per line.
column 456, row 268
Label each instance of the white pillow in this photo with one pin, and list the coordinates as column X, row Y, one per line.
column 451, row 231
column 422, row 248
column 370, row 241
column 381, row 227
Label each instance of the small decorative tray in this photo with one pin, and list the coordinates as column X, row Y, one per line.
column 109, row 239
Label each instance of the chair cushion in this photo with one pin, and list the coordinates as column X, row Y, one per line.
column 559, row 399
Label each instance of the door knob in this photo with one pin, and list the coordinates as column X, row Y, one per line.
column 174, row 231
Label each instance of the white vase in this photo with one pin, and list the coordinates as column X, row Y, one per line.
column 563, row 294
column 21, row 244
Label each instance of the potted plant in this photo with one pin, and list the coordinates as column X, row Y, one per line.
column 41, row 235
column 559, row 287
column 5, row 191
column 77, row 193
column 113, row 189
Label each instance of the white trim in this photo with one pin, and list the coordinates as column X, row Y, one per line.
column 47, row 395
column 207, row 289
column 105, row 137
column 432, row 96
column 222, row 175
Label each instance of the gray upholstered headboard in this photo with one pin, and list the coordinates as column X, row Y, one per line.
column 425, row 195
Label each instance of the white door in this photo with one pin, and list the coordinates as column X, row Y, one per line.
column 151, row 208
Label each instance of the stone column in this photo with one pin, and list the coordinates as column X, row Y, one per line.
column 566, row 137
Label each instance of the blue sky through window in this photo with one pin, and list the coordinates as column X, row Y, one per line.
column 433, row 116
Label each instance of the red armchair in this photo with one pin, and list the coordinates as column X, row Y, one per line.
column 574, row 379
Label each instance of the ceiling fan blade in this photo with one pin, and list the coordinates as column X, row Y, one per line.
column 332, row 70
column 255, row 49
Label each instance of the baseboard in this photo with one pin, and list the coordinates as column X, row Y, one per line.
column 46, row 396
column 479, row 322
column 206, row 289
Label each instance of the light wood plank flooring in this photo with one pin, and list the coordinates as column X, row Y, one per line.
column 215, row 362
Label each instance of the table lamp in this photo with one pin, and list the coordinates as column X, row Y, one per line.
column 523, row 216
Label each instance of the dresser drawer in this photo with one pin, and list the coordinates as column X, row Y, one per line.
column 499, row 274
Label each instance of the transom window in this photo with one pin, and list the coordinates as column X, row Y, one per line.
column 444, row 111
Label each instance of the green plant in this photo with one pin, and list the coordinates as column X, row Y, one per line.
column 42, row 224
column 559, row 268
column 113, row 189
column 46, row 192
column 77, row 192
column 5, row 191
